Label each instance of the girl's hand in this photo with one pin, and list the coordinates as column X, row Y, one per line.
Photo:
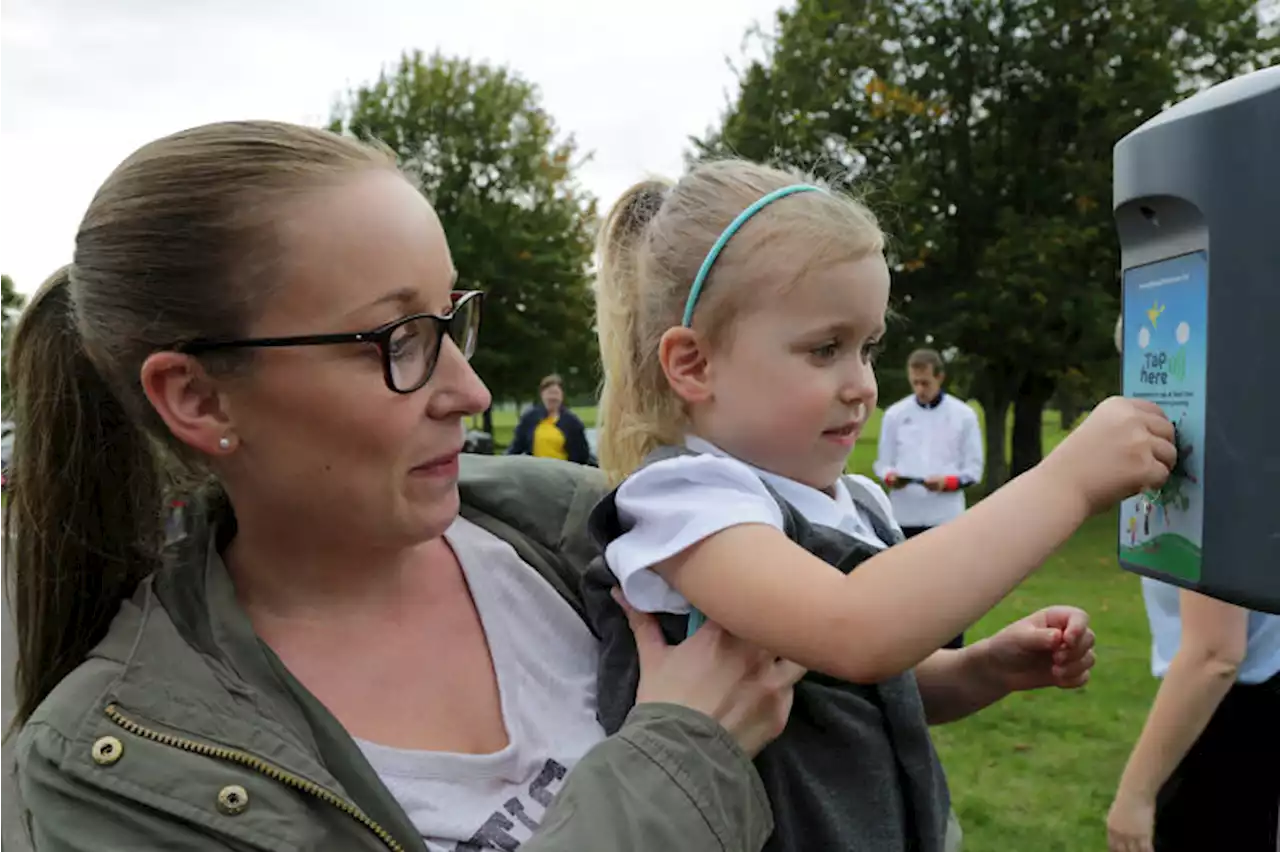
column 746, row 690
column 1123, row 447
column 1131, row 823
column 1052, row 647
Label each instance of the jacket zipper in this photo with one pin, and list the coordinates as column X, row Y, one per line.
column 258, row 765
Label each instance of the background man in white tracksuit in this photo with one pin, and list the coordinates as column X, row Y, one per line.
column 930, row 450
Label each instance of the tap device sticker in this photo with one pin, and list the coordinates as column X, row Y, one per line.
column 1165, row 307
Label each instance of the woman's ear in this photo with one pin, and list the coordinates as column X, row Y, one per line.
column 683, row 355
column 188, row 401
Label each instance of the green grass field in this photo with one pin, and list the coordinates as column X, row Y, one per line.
column 1036, row 772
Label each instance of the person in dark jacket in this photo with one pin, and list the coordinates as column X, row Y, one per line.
column 550, row 429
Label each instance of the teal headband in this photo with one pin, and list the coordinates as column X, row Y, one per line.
column 696, row 290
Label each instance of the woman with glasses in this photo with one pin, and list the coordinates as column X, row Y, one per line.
column 371, row 643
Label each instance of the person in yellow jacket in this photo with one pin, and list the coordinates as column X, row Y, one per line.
column 550, row 429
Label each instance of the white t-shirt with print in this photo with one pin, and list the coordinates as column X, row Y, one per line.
column 671, row 505
column 545, row 660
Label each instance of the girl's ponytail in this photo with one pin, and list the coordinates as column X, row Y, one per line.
column 630, row 409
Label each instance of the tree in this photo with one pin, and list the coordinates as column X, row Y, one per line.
column 489, row 158
column 982, row 131
column 13, row 302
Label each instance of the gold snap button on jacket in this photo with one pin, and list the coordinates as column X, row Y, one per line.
column 107, row 750
column 233, row 799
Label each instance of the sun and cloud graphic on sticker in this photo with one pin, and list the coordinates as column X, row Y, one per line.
column 1182, row 333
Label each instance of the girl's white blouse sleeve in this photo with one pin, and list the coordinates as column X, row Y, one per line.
column 672, row 505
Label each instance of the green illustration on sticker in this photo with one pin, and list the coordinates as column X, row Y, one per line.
column 1161, row 530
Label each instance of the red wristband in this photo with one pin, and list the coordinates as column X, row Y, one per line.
column 953, row 483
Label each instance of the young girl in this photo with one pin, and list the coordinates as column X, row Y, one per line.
column 739, row 311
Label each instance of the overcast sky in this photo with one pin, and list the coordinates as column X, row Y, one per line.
column 85, row 82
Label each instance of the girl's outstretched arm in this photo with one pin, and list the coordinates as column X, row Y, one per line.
column 896, row 608
column 906, row 602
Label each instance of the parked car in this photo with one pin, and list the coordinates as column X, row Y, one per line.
column 6, row 450
column 477, row 441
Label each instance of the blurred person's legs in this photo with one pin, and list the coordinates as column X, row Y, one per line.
column 1225, row 794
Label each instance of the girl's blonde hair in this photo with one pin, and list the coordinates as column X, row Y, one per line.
column 651, row 247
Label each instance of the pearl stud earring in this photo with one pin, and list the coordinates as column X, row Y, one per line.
column 224, row 442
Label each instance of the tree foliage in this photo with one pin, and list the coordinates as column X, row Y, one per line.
column 13, row 303
column 491, row 161
column 982, row 131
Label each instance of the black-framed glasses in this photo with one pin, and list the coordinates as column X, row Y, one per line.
column 410, row 346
